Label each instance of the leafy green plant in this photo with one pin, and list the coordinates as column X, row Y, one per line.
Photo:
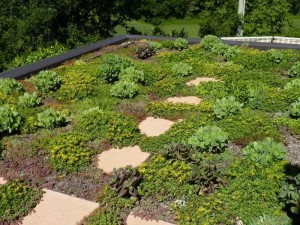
column 9, row 86
column 209, row 139
column 266, row 219
column 182, row 69
column 295, row 70
column 145, row 51
column 290, row 193
column 231, row 52
column 275, row 56
column 131, row 74
column 120, row 130
column 47, row 81
column 209, row 41
column 17, row 198
column 112, row 67
column 265, row 152
column 181, row 44
column 220, row 48
column 167, row 44
column 125, row 181
column 155, row 45
column 295, row 109
column 183, row 152
column 50, row 119
column 124, row 89
column 29, row 100
column 207, row 177
column 212, row 90
column 293, row 84
column 226, row 106
column 10, row 119
column 68, row 152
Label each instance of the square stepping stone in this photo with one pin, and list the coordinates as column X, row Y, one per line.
column 198, row 80
column 154, row 127
column 59, row 209
column 187, row 100
column 2, row 181
column 117, row 158
column 134, row 220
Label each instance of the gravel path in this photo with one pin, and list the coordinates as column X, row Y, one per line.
column 292, row 146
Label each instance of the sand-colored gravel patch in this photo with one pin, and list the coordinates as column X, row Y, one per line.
column 2, row 181
column 198, row 80
column 117, row 158
column 133, row 220
column 155, row 127
column 188, row 100
column 59, row 209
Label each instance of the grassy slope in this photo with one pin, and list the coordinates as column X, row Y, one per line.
column 191, row 26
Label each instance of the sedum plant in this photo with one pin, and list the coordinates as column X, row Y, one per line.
column 50, row 119
column 145, row 51
column 265, row 152
column 231, row 52
column 29, row 100
column 47, row 81
column 131, row 74
column 10, row 119
column 181, row 44
column 9, row 86
column 275, row 56
column 125, row 181
column 210, row 139
column 112, row 67
column 224, row 107
column 290, row 193
column 295, row 109
column 17, row 198
column 182, row 69
column 295, row 70
column 155, row 45
column 209, row 41
column 124, row 89
column 293, row 84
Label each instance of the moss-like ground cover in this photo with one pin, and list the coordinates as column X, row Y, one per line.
column 222, row 162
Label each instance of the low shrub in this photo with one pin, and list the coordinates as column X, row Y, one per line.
column 265, row 152
column 120, row 130
column 275, row 56
column 50, row 119
column 10, row 120
column 76, row 86
column 167, row 44
column 131, row 74
column 220, row 48
column 156, row 45
column 9, row 86
column 29, row 100
column 295, row 70
column 209, row 41
column 47, row 81
column 181, row 44
column 209, row 139
column 17, row 198
column 226, row 106
column 125, row 181
column 295, row 109
column 182, row 69
column 68, row 152
column 124, row 89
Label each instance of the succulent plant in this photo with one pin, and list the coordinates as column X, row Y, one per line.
column 145, row 51
column 295, row 109
column 295, row 70
column 125, row 181
column 181, row 44
column 226, row 106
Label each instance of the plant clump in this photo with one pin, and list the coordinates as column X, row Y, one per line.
column 180, row 44
column 47, row 81
column 265, row 152
column 124, row 89
column 9, row 86
column 295, row 70
column 29, row 100
column 182, row 69
column 50, row 119
column 145, row 51
column 275, row 56
column 10, row 119
column 226, row 106
column 209, row 139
